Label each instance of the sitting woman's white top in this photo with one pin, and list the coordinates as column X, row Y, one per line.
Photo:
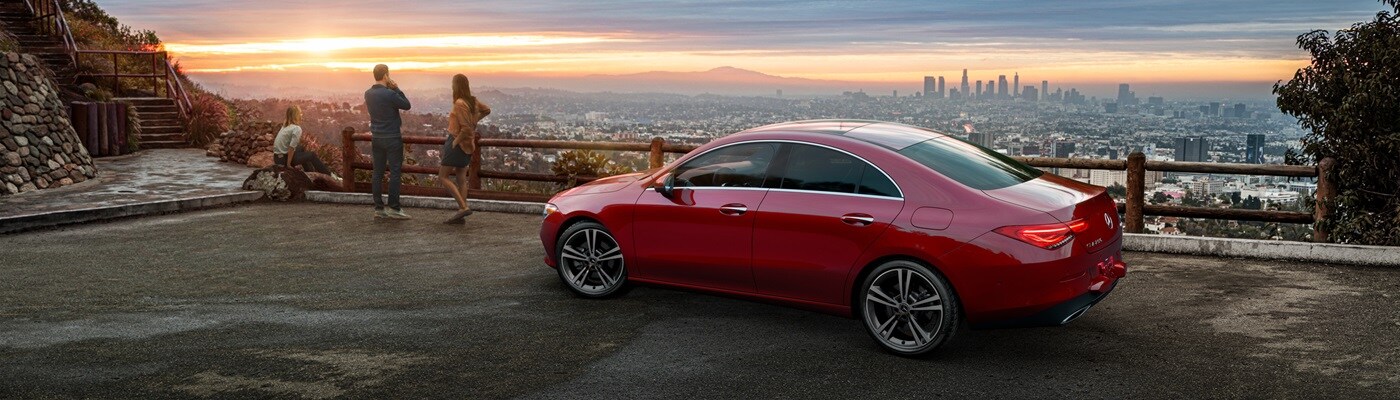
column 287, row 139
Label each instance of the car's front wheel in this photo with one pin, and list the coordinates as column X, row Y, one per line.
column 590, row 261
column 908, row 308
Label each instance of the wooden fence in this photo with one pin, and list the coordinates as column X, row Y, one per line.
column 1134, row 206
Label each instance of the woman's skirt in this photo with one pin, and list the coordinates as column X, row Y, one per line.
column 453, row 156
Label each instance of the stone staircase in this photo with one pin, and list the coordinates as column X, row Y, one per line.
column 160, row 122
column 16, row 19
column 161, row 126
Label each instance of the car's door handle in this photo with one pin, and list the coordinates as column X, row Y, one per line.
column 733, row 209
column 858, row 219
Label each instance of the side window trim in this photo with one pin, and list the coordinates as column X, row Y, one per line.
column 782, row 156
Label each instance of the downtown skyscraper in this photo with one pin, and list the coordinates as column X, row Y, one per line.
column 1016, row 85
column 1001, row 87
column 965, row 87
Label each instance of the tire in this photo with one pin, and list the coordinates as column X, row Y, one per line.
column 911, row 320
column 590, row 261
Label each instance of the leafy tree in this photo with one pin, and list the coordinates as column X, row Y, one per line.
column 1160, row 198
column 576, row 163
column 1118, row 191
column 1252, row 203
column 1347, row 100
column 1192, row 199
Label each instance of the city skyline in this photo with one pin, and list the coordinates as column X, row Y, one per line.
column 889, row 45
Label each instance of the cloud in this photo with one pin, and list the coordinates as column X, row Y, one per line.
column 1004, row 33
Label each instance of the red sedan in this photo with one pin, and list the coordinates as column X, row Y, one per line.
column 912, row 231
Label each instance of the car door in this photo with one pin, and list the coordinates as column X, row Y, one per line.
column 825, row 208
column 703, row 234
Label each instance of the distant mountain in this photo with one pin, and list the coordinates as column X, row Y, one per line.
column 722, row 80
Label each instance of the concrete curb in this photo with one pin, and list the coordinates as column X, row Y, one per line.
column 518, row 207
column 34, row 221
column 1266, row 249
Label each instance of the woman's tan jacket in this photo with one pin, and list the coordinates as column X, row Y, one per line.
column 461, row 123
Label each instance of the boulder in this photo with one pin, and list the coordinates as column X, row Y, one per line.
column 279, row 183
column 260, row 159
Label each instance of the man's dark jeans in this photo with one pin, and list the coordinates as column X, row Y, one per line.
column 387, row 152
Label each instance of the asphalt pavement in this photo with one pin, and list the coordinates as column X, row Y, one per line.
column 323, row 301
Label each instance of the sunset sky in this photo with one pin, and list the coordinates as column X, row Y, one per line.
column 879, row 41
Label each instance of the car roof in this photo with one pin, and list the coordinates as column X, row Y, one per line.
column 890, row 135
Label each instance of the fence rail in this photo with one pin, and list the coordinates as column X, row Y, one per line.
column 1134, row 206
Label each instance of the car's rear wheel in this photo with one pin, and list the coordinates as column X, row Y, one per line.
column 590, row 261
column 908, row 308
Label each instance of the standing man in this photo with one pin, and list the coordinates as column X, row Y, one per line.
column 384, row 100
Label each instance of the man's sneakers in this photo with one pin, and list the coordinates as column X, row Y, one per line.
column 391, row 214
column 398, row 214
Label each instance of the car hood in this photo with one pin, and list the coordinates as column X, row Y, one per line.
column 1050, row 193
column 609, row 184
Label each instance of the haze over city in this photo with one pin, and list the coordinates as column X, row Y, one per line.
column 1175, row 49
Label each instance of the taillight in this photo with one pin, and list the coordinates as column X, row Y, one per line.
column 1047, row 236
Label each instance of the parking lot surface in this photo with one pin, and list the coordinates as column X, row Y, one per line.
column 323, row 301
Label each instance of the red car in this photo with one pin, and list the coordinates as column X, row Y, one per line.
column 912, row 231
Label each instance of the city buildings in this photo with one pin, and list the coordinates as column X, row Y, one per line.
column 1194, row 149
column 1254, row 148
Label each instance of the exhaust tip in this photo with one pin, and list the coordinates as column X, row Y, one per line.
column 1075, row 315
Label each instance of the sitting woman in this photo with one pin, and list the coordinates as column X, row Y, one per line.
column 287, row 150
column 467, row 110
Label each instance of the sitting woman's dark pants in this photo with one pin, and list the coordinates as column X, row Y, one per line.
column 308, row 161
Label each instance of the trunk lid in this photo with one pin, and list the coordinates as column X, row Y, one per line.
column 1068, row 200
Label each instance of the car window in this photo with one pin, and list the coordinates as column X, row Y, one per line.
column 874, row 182
column 826, row 170
column 740, row 165
column 969, row 164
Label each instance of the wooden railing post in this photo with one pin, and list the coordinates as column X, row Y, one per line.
column 474, row 167
column 1137, row 174
column 657, row 157
column 348, row 156
column 1326, row 192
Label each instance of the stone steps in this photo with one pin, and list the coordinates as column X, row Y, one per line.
column 160, row 122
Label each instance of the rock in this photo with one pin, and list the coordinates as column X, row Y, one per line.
column 261, row 159
column 279, row 183
column 65, row 181
column 27, row 187
column 324, row 182
column 13, row 159
column 21, row 141
column 10, row 188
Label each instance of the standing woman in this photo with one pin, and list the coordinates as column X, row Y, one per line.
column 287, row 150
column 457, row 151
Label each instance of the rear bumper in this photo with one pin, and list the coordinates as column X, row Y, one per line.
column 1058, row 314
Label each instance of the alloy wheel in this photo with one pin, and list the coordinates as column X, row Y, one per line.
column 590, row 262
column 904, row 309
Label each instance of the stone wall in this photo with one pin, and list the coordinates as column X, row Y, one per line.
column 38, row 147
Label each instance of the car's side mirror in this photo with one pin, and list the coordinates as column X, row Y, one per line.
column 667, row 186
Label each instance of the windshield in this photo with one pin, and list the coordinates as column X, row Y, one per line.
column 969, row 164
